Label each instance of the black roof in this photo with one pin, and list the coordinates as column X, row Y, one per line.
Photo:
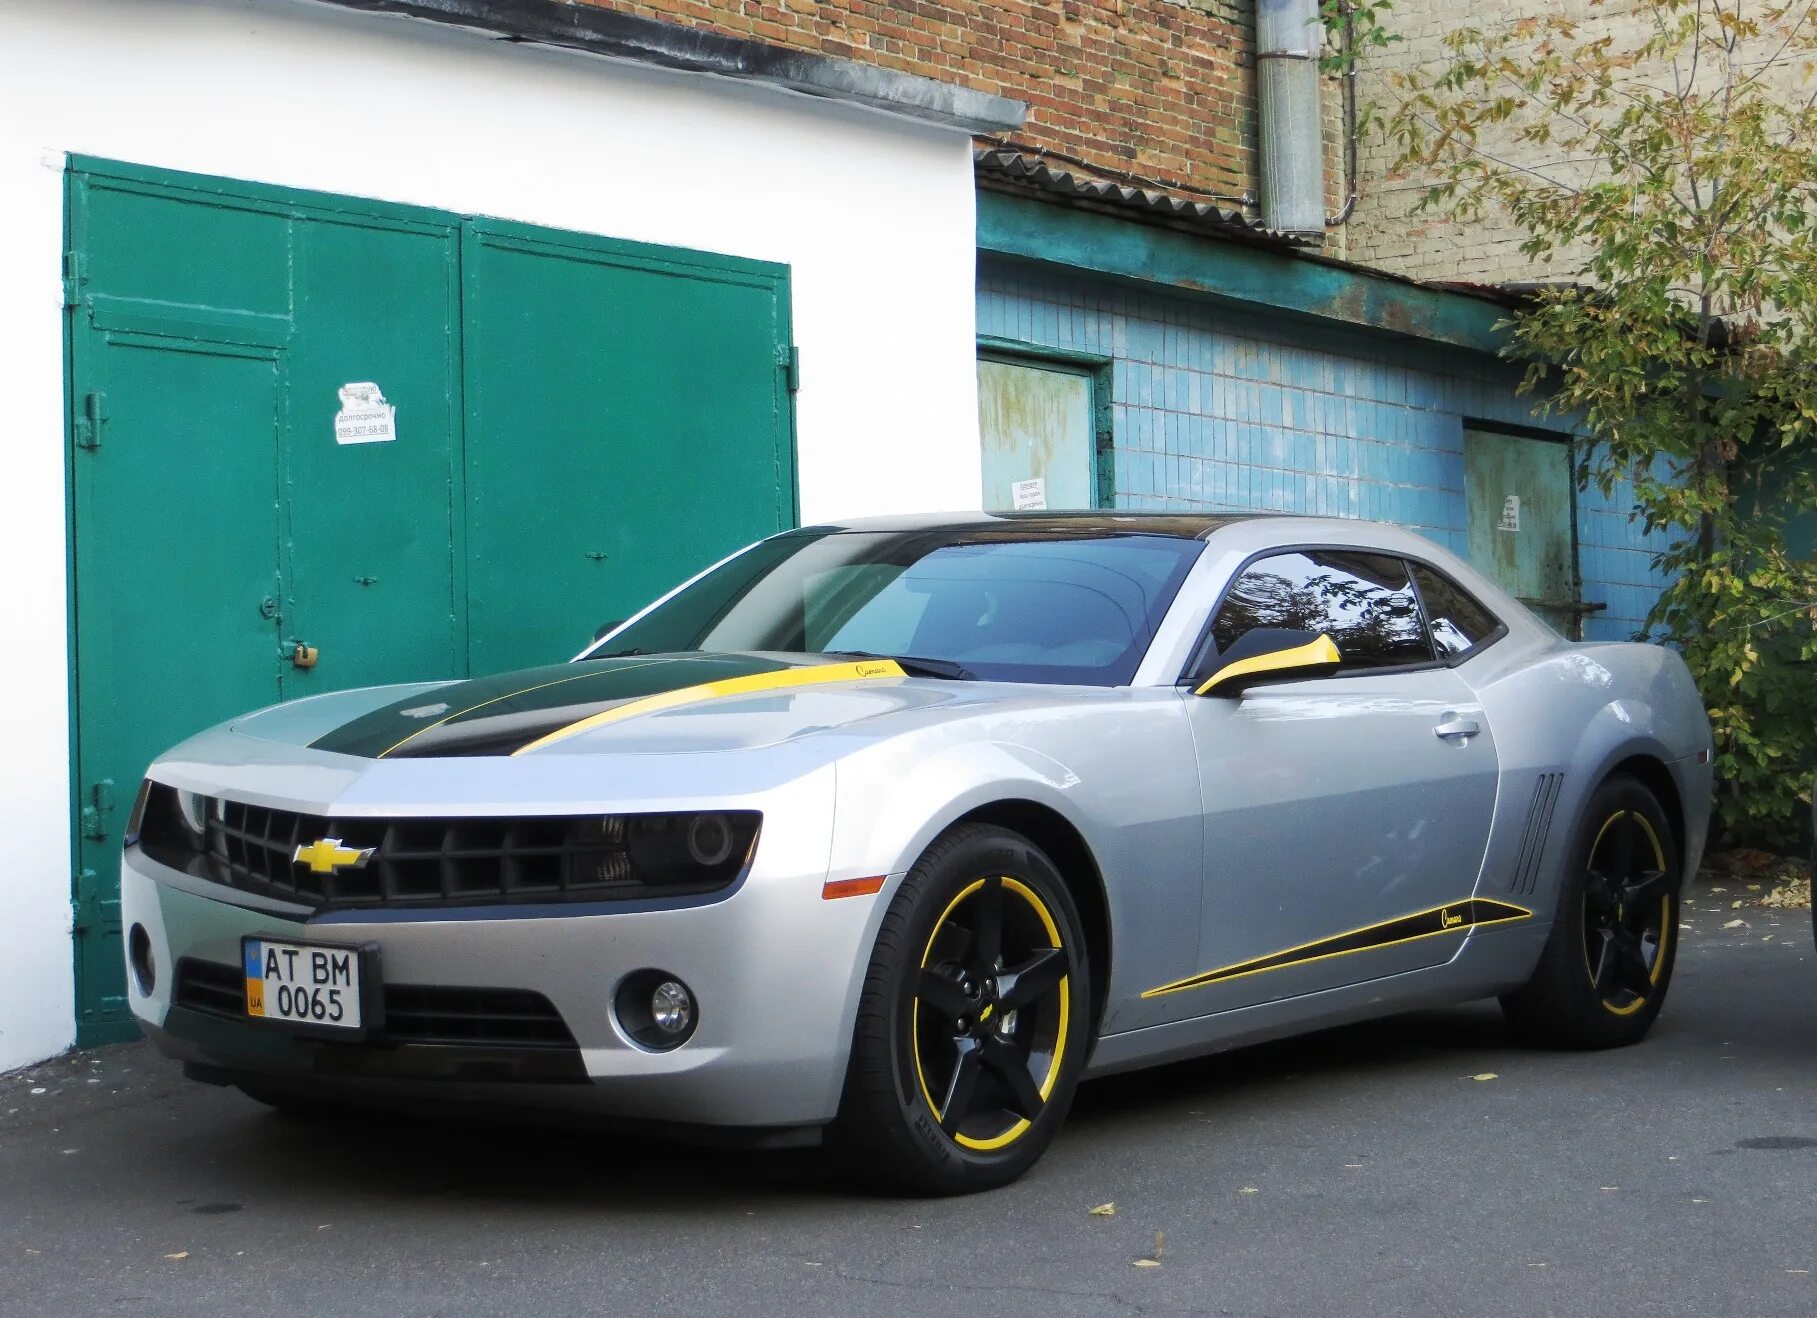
column 1186, row 526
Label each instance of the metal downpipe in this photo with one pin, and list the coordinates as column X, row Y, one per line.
column 1292, row 146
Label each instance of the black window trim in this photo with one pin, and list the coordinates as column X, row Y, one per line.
column 1197, row 656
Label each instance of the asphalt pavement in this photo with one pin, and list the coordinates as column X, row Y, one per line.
column 1427, row 1164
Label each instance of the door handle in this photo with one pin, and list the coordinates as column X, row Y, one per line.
column 1453, row 727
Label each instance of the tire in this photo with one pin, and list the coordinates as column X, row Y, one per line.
column 1603, row 975
column 947, row 1028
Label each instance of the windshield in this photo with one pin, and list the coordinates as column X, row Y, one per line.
column 1006, row 604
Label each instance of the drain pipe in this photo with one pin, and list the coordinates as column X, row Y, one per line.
column 1292, row 156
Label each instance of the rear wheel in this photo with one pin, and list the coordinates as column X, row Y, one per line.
column 1603, row 975
column 974, row 1021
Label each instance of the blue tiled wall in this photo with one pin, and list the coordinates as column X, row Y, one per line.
column 1221, row 409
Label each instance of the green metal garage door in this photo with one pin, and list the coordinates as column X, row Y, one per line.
column 318, row 442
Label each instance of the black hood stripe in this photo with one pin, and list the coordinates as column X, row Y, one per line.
column 514, row 696
column 507, row 713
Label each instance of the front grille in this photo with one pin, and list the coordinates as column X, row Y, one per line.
column 414, row 1013
column 414, row 862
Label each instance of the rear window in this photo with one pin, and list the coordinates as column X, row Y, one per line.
column 1459, row 623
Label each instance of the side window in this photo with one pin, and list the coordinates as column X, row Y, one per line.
column 1364, row 602
column 1459, row 624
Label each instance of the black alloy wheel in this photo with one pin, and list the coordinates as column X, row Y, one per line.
column 975, row 1019
column 1607, row 962
column 990, row 1012
column 1628, row 912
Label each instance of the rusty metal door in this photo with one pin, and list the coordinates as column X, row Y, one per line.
column 1522, row 521
column 1037, row 421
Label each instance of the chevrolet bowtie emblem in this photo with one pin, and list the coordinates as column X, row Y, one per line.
column 328, row 855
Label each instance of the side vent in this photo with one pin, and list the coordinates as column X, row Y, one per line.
column 1533, row 837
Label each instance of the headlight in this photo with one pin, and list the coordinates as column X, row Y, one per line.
column 192, row 812
column 708, row 847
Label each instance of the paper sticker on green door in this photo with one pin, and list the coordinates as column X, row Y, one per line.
column 1520, row 521
column 365, row 417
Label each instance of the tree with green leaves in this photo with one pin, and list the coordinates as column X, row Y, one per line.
column 1665, row 187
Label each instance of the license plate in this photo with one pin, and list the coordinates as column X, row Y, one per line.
column 305, row 984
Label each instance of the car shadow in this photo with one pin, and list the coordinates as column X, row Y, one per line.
column 1390, row 1044
column 501, row 1160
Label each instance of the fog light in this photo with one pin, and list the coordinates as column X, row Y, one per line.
column 139, row 957
column 656, row 1010
column 672, row 1007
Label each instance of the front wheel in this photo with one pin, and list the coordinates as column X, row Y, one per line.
column 1603, row 975
column 975, row 1018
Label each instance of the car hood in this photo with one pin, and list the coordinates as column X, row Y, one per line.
column 665, row 704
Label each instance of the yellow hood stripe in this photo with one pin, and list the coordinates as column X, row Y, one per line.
column 756, row 683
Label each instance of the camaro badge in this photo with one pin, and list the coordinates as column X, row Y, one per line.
column 327, row 855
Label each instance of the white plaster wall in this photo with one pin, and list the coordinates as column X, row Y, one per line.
column 873, row 214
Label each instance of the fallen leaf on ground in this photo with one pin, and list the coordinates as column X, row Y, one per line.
column 1485, row 1075
column 1734, row 924
column 1794, row 895
column 178, row 1256
column 1146, row 1263
column 1104, row 1210
column 1249, row 1189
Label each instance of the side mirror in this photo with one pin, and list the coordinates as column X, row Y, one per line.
column 1270, row 653
column 607, row 628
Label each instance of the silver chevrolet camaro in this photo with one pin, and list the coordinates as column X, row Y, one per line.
column 891, row 831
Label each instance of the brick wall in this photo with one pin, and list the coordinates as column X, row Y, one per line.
column 1160, row 88
column 1386, row 234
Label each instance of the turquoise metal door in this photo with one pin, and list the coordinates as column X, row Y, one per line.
column 216, row 522
column 1037, row 424
column 1521, row 513
column 371, row 524
column 629, row 422
column 185, row 428
column 321, row 442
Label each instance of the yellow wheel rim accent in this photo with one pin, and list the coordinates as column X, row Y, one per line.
column 1667, row 915
column 1020, row 1126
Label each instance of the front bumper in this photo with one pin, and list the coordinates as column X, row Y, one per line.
column 775, row 970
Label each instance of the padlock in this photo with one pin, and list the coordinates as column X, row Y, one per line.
column 303, row 656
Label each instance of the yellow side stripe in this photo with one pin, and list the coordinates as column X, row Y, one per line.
column 1452, row 918
column 788, row 678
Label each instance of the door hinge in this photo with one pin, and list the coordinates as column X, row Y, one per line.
column 75, row 275
column 789, row 359
column 92, row 420
column 100, row 804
